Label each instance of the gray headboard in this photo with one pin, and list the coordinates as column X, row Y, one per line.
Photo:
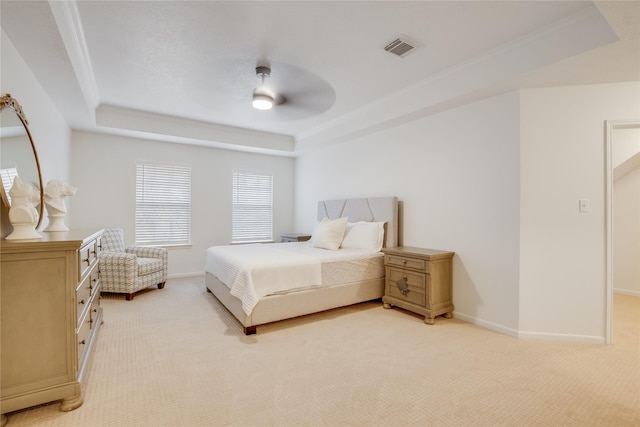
column 373, row 209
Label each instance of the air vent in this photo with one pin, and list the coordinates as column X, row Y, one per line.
column 399, row 47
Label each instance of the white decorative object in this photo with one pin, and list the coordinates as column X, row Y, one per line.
column 54, row 194
column 23, row 214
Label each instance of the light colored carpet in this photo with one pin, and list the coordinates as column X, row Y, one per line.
column 176, row 357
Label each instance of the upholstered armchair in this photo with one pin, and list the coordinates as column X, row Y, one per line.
column 126, row 270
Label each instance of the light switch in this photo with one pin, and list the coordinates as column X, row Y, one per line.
column 584, row 205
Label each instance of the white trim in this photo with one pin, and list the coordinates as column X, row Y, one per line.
column 610, row 126
column 487, row 325
column 585, row 339
column 186, row 275
column 626, row 292
column 69, row 24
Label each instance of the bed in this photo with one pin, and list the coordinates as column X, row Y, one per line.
column 326, row 278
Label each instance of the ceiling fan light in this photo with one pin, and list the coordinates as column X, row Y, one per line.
column 262, row 101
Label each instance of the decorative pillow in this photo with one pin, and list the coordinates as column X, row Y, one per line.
column 329, row 233
column 364, row 235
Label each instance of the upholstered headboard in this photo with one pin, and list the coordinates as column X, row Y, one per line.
column 373, row 209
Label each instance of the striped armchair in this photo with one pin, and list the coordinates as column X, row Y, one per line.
column 126, row 270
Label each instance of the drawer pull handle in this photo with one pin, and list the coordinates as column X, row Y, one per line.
column 404, row 261
column 87, row 261
column 81, row 302
column 83, row 342
column 402, row 285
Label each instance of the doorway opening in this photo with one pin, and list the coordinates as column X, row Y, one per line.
column 611, row 161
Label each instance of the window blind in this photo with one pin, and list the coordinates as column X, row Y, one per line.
column 252, row 207
column 163, row 204
column 8, row 174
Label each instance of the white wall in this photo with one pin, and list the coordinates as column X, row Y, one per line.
column 49, row 130
column 103, row 170
column 457, row 177
column 562, row 251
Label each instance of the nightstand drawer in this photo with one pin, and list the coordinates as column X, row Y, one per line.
column 404, row 262
column 294, row 237
column 414, row 296
column 414, row 280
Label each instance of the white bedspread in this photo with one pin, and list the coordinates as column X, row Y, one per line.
column 255, row 270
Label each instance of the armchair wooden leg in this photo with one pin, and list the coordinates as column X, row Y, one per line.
column 161, row 285
column 129, row 297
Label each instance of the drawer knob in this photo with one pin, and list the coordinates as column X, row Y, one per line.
column 81, row 302
column 402, row 286
column 83, row 342
column 87, row 261
column 404, row 261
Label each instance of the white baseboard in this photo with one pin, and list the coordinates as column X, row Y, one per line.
column 488, row 325
column 185, row 275
column 626, row 292
column 585, row 339
column 530, row 335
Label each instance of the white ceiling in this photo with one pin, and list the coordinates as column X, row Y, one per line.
column 184, row 71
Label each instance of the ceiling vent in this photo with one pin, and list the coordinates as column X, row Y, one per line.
column 400, row 47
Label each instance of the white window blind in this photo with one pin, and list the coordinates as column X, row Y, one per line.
column 8, row 174
column 163, row 204
column 252, row 207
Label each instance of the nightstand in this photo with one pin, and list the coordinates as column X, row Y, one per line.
column 294, row 237
column 418, row 280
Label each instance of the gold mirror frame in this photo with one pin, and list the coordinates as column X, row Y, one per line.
column 9, row 102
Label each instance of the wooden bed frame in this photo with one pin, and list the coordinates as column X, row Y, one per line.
column 279, row 307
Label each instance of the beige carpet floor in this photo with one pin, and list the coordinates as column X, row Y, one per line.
column 176, row 357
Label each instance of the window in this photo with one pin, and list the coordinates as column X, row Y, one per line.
column 163, row 204
column 252, row 207
column 8, row 174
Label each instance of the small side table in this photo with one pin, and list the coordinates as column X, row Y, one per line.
column 294, row 237
column 418, row 280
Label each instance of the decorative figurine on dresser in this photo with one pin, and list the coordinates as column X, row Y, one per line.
column 418, row 280
column 54, row 195
column 50, row 305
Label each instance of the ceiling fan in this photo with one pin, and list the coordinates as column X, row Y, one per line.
column 291, row 93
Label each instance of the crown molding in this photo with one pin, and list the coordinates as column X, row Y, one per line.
column 69, row 25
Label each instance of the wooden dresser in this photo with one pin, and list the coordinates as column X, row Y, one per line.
column 50, row 300
column 418, row 280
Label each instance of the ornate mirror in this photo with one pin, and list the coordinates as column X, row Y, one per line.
column 18, row 155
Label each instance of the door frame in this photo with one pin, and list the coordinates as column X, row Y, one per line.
column 610, row 127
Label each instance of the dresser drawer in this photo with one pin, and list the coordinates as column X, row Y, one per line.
column 404, row 262
column 87, row 256
column 95, row 308
column 82, row 335
column 94, row 282
column 83, row 296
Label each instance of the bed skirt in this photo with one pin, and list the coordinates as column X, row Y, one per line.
column 279, row 307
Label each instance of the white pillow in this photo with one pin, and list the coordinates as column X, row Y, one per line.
column 364, row 235
column 329, row 233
